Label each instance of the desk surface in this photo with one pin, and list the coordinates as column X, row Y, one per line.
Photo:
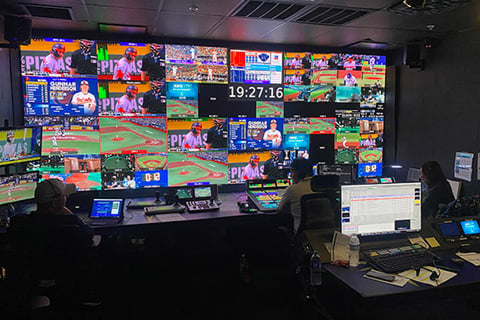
column 135, row 218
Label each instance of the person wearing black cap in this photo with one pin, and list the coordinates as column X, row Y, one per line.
column 302, row 172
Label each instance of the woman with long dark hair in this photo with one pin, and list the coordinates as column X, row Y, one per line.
column 438, row 192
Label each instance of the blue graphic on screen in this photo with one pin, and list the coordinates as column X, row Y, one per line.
column 470, row 227
column 255, row 133
column 296, row 141
column 106, row 208
column 369, row 169
column 57, row 96
column 151, row 179
column 182, row 91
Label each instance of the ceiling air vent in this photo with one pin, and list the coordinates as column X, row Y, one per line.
column 49, row 12
column 426, row 7
column 331, row 16
column 267, row 10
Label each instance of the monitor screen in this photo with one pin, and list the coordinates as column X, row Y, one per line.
column 106, row 208
column 202, row 192
column 449, row 229
column 374, row 209
column 470, row 227
column 18, row 187
column 20, row 145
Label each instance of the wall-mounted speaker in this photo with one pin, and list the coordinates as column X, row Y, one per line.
column 414, row 56
column 18, row 30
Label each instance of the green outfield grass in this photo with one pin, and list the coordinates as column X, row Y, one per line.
column 117, row 135
column 23, row 191
column 176, row 108
column 183, row 169
column 74, row 142
column 370, row 156
column 345, row 156
column 318, row 94
column 267, row 110
column 115, row 162
column 317, row 125
column 296, row 128
column 150, row 162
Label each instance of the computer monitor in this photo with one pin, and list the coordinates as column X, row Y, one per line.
column 377, row 209
column 18, row 187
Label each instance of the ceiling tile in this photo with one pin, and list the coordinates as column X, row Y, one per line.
column 206, row 7
column 183, row 25
column 241, row 29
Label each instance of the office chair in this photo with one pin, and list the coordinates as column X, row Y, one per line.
column 49, row 268
column 317, row 212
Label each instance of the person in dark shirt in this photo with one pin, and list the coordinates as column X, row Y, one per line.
column 51, row 213
column 153, row 63
column 438, row 193
column 155, row 100
column 307, row 61
column 217, row 135
column 306, row 77
column 84, row 60
column 273, row 168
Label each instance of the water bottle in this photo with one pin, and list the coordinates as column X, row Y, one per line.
column 354, row 255
column 315, row 269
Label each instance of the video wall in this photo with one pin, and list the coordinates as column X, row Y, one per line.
column 125, row 115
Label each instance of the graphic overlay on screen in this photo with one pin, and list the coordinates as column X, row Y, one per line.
column 50, row 56
column 120, row 60
column 197, row 134
column 151, row 170
column 262, row 67
column 18, row 187
column 255, row 133
column 60, row 96
column 182, row 100
column 470, row 227
column 20, row 145
column 122, row 98
column 133, row 135
column 106, row 208
column 246, row 165
column 197, row 167
column 187, row 63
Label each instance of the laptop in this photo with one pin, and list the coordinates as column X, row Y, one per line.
column 105, row 211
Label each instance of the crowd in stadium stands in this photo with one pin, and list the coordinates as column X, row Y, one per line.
column 217, row 156
column 156, row 122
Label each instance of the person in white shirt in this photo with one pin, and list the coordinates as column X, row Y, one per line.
column 53, row 63
column 128, row 103
column 125, row 67
column 273, row 135
column 85, row 98
column 349, row 64
column 193, row 139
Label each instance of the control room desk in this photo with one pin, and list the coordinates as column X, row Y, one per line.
column 346, row 294
column 135, row 221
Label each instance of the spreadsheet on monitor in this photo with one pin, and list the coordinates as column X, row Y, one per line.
column 381, row 208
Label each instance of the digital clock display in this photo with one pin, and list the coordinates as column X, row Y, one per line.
column 240, row 91
column 369, row 169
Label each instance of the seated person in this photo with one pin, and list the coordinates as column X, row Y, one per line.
column 438, row 192
column 302, row 172
column 56, row 241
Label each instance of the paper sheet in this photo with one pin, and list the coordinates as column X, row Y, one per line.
column 424, row 275
column 472, row 257
column 340, row 246
column 418, row 240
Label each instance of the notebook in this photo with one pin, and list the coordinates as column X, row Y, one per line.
column 106, row 211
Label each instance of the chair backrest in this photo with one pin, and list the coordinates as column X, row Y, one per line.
column 317, row 212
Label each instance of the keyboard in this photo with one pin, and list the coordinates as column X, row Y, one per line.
column 398, row 259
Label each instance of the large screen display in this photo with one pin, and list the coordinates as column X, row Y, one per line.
column 129, row 115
